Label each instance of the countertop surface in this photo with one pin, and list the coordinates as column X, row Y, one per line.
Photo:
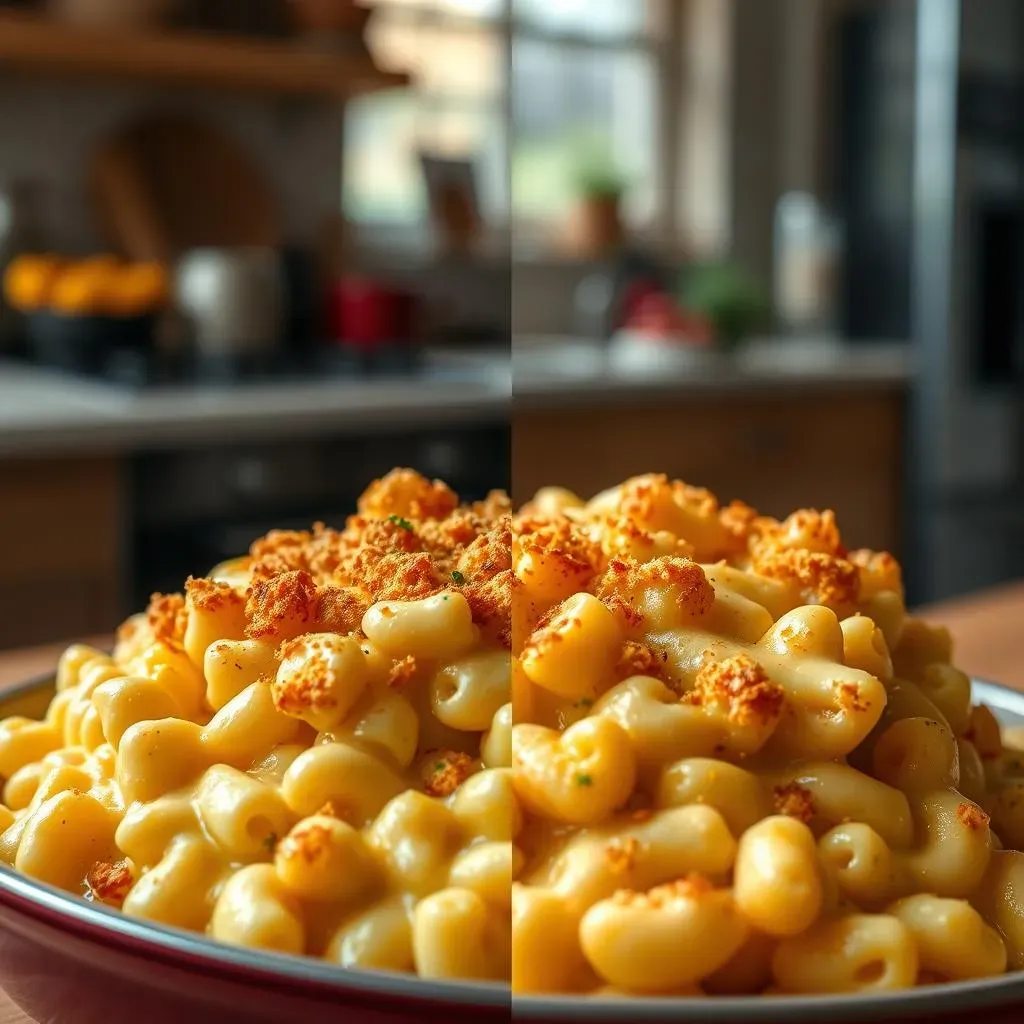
column 43, row 412
column 985, row 627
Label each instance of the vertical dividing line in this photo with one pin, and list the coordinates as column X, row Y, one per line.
column 671, row 84
column 935, row 146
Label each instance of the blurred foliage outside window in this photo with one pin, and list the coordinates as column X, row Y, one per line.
column 538, row 93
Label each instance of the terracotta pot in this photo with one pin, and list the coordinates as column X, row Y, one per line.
column 594, row 227
column 113, row 14
column 325, row 17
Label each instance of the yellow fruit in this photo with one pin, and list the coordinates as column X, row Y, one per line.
column 29, row 280
column 138, row 288
column 77, row 293
column 86, row 288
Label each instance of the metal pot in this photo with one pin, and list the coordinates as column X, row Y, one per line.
column 234, row 299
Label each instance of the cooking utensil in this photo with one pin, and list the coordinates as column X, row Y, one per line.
column 234, row 299
column 168, row 183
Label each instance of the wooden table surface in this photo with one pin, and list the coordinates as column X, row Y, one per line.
column 988, row 629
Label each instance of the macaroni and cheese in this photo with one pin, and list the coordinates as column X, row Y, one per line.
column 637, row 745
column 309, row 751
column 741, row 767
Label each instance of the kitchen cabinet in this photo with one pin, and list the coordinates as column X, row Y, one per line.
column 777, row 451
column 60, row 552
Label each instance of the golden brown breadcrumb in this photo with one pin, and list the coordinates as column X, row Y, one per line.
column 621, row 853
column 693, row 886
column 445, row 770
column 278, row 601
column 849, row 698
column 795, row 801
column 823, row 578
column 637, row 659
column 409, row 539
column 167, row 617
column 626, row 580
column 310, row 841
column 739, row 687
column 402, row 672
column 406, row 493
column 971, row 816
column 211, row 595
column 806, row 529
column 309, row 685
column 110, row 882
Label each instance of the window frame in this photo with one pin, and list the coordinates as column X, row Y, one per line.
column 664, row 44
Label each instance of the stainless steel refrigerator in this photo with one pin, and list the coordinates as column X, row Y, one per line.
column 965, row 480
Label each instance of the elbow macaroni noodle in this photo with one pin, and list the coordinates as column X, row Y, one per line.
column 641, row 745
column 307, row 752
column 742, row 767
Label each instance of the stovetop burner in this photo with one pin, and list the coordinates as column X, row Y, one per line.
column 136, row 369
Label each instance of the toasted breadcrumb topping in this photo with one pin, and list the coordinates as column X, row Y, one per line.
column 692, row 887
column 625, row 580
column 445, row 770
column 309, row 840
column 621, row 853
column 637, row 659
column 849, row 697
column 310, row 682
column 823, row 578
column 740, row 687
column 795, row 801
column 805, row 530
column 274, row 600
column 211, row 595
column 971, row 816
column 409, row 539
column 110, row 882
column 402, row 671
column 166, row 616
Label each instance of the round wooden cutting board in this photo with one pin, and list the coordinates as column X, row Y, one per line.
column 168, row 183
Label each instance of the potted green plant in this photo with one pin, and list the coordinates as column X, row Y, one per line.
column 733, row 301
column 595, row 226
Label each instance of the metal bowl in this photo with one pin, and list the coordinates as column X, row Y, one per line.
column 65, row 961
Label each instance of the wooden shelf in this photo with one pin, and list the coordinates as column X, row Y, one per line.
column 35, row 44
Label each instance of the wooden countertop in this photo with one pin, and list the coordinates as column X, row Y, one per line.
column 987, row 629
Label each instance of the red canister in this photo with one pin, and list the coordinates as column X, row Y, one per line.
column 365, row 313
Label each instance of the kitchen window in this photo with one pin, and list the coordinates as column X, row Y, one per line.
column 534, row 90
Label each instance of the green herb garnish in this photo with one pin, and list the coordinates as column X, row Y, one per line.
column 403, row 524
column 439, row 766
column 583, row 779
column 458, row 578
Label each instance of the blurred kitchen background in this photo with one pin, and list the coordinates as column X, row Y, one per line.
column 256, row 252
